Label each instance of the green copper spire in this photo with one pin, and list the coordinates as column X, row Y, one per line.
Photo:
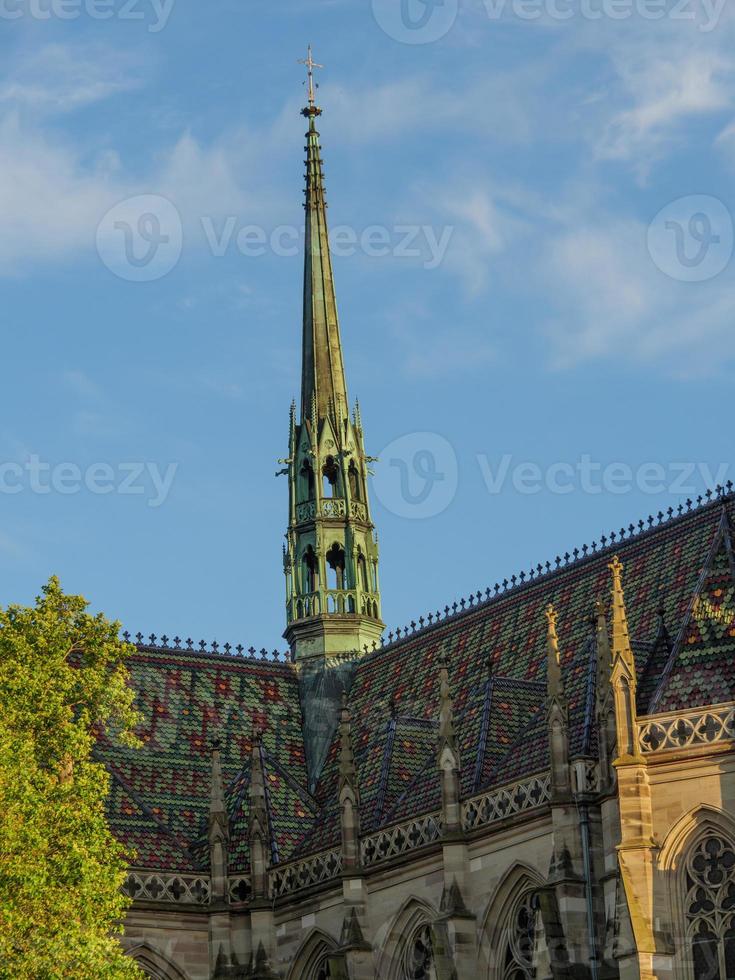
column 331, row 557
column 322, row 369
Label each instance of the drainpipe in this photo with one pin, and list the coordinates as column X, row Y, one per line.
column 584, row 815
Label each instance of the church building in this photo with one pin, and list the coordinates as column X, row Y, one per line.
column 535, row 782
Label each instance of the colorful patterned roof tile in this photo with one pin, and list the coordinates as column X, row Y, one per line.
column 188, row 700
column 701, row 666
column 679, row 573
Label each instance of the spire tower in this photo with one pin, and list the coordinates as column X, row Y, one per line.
column 331, row 555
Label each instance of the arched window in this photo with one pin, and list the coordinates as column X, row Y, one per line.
column 330, row 473
column 336, row 567
column 355, row 482
column 307, row 476
column 362, row 572
column 309, row 571
column 323, row 971
column 518, row 960
column 154, row 964
column 710, row 908
column 419, row 962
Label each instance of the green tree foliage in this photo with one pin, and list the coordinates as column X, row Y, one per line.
column 62, row 681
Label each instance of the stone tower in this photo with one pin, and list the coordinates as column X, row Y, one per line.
column 331, row 555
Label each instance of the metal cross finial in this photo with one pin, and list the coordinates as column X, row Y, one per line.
column 310, row 66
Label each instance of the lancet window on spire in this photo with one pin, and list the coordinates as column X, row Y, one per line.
column 355, row 481
column 362, row 573
column 309, row 571
column 330, row 476
column 336, row 567
column 307, row 480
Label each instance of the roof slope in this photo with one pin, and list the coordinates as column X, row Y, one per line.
column 500, row 720
column 679, row 582
column 160, row 797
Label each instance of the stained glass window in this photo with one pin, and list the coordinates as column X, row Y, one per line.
column 710, row 908
column 518, row 964
column 419, row 963
column 323, row 972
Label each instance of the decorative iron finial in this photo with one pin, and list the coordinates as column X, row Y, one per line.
column 312, row 86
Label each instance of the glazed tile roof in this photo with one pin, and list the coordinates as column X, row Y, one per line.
column 160, row 793
column 679, row 585
column 701, row 666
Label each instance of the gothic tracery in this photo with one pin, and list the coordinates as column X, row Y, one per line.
column 419, row 959
column 518, row 961
column 710, row 908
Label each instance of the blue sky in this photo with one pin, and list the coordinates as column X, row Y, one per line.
column 579, row 170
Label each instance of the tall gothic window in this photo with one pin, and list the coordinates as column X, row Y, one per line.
column 354, row 478
column 309, row 571
column 362, row 572
column 518, row 962
column 419, row 960
column 336, row 567
column 710, row 908
column 323, row 971
column 330, row 475
column 307, row 474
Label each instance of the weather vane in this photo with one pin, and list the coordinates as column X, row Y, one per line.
column 310, row 66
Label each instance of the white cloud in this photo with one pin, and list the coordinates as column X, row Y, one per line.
column 665, row 91
column 611, row 301
column 50, row 202
column 501, row 105
column 487, row 220
column 61, row 78
column 52, row 198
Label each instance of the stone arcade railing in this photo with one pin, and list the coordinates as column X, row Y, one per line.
column 687, row 729
column 506, row 801
column 240, row 888
column 179, row 889
column 392, row 841
column 330, row 507
column 313, row 870
column 384, row 845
